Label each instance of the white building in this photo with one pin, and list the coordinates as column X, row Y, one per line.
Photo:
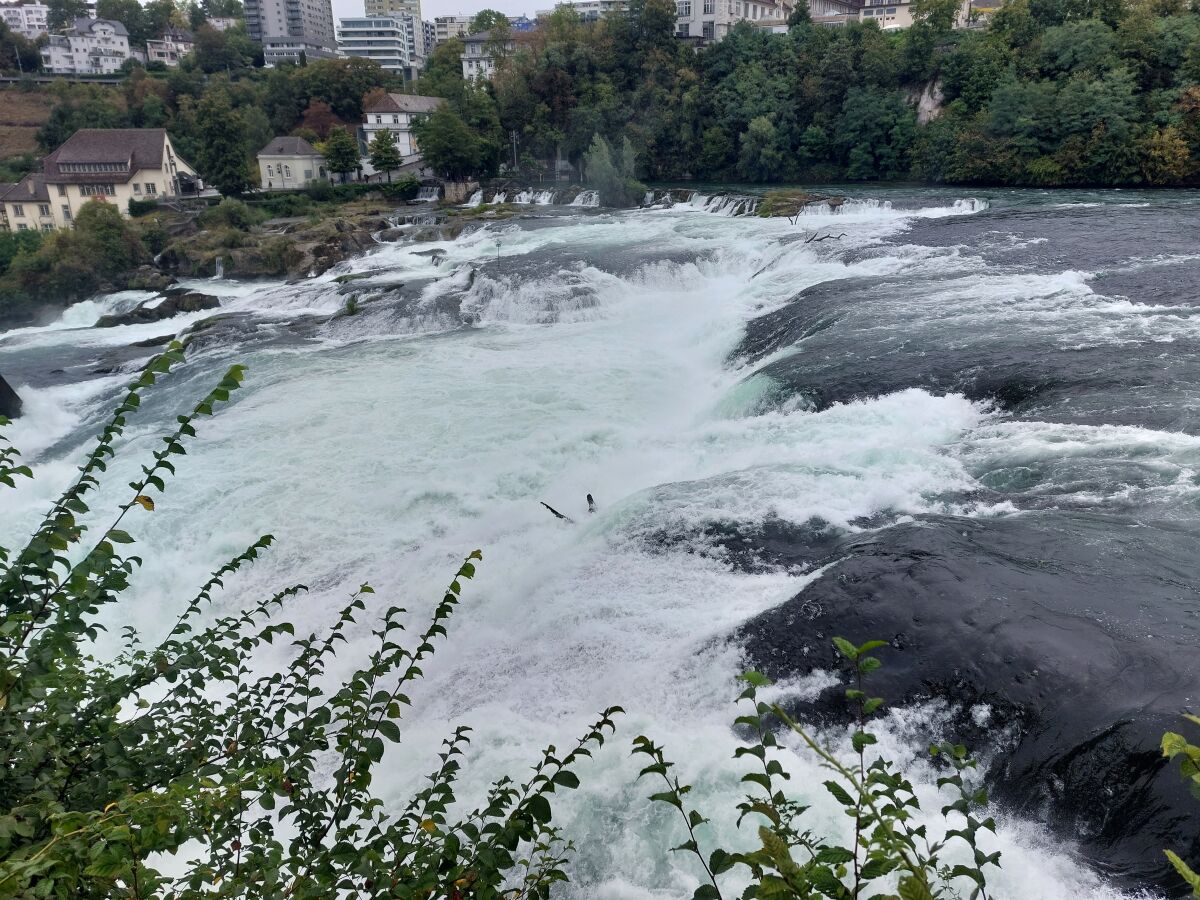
column 169, row 49
column 712, row 19
column 289, row 164
column 589, row 10
column 395, row 41
column 289, row 28
column 112, row 165
column 480, row 52
column 221, row 23
column 893, row 14
column 447, row 27
column 397, row 113
column 374, row 8
column 90, row 47
column 27, row 20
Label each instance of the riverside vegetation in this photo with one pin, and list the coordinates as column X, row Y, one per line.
column 1046, row 93
column 180, row 748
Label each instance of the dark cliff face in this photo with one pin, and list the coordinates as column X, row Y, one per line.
column 10, row 401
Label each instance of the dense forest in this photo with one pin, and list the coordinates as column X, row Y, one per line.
column 1049, row 92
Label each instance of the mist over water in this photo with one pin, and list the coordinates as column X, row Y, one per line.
column 703, row 377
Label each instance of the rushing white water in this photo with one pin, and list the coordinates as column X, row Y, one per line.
column 587, row 198
column 388, row 458
column 429, row 194
column 475, row 199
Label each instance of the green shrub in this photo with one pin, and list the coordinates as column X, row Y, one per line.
column 402, row 189
column 320, row 190
column 141, row 207
column 261, row 784
column 232, row 213
column 288, row 205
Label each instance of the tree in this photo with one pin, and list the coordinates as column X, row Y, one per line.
column 222, row 51
column 447, row 145
column 17, row 53
column 341, row 152
column 800, row 15
column 486, row 20
column 384, row 154
column 61, row 13
column 223, row 157
column 612, row 174
column 131, row 14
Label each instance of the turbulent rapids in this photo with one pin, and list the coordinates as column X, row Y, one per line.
column 963, row 425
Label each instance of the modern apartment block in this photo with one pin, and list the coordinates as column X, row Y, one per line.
column 589, row 10
column 387, row 7
column 447, row 27
column 711, row 20
column 89, row 47
column 169, row 49
column 396, row 41
column 27, row 19
column 289, row 28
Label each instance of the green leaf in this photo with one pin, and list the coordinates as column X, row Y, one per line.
column 118, row 536
column 839, row 793
column 539, row 808
column 845, row 648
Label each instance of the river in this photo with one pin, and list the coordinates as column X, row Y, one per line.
column 963, row 423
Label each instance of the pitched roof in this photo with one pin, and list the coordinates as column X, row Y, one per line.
column 288, row 146
column 408, row 103
column 134, row 148
column 30, row 189
column 5, row 187
column 83, row 26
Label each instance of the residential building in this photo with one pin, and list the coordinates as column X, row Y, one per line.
column 833, row 13
column 428, row 38
column 289, row 164
column 221, row 23
column 588, row 10
column 387, row 7
column 89, row 47
column 480, row 52
column 290, row 29
column 5, row 187
column 114, row 165
column 521, row 23
column 26, row 19
column 396, row 113
column 893, row 14
column 447, row 27
column 710, row 20
column 395, row 41
column 169, row 49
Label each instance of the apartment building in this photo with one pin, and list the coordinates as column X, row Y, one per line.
column 26, row 19
column 113, row 165
column 395, row 41
column 480, row 52
column 89, row 47
column 711, row 20
column 588, row 10
column 290, row 29
column 169, row 49
column 447, row 27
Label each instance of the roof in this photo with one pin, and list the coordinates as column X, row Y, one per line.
column 5, row 187
column 83, row 26
column 31, row 189
column 137, row 148
column 176, row 35
column 407, row 103
column 288, row 146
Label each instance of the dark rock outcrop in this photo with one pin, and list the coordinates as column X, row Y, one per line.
column 10, row 400
column 1078, row 634
column 171, row 305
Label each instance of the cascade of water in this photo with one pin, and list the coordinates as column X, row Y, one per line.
column 476, row 199
column 525, row 196
column 587, row 198
column 429, row 193
column 501, row 197
column 219, row 267
column 543, row 198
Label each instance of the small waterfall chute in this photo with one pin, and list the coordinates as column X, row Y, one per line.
column 587, row 198
column 429, row 194
column 523, row 197
column 501, row 197
column 543, row 198
column 219, row 267
column 475, row 199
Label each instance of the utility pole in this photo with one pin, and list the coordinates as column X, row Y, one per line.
column 513, row 135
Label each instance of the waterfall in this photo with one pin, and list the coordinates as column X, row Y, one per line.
column 587, row 198
column 219, row 267
column 543, row 198
column 476, row 199
column 501, row 197
column 429, row 194
column 525, row 196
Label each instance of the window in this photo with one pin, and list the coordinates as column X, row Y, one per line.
column 308, row 174
column 287, row 171
column 62, row 190
column 683, row 9
column 18, row 210
column 710, row 7
column 270, row 171
column 97, row 190
column 395, row 120
column 137, row 188
column 151, row 187
column 43, row 209
column 22, row 227
column 709, row 30
column 47, row 228
column 685, row 30
column 66, row 212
